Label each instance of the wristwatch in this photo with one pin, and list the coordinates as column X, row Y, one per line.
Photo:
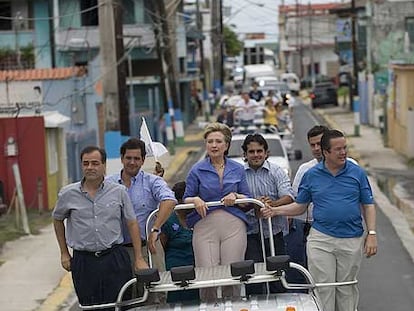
column 155, row 230
column 372, row 232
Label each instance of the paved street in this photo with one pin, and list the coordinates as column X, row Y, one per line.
column 32, row 263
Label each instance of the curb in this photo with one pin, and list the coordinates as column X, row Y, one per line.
column 179, row 158
column 352, row 152
column 59, row 295
column 395, row 216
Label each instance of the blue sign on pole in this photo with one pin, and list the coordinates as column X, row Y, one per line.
column 343, row 30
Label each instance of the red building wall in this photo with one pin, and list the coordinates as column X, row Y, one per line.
column 29, row 135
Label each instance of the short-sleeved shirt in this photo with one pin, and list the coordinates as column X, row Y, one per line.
column 147, row 191
column 257, row 95
column 303, row 168
column 179, row 250
column 203, row 181
column 336, row 199
column 246, row 111
column 93, row 224
column 269, row 180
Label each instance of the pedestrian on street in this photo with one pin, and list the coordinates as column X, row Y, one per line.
column 270, row 184
column 299, row 225
column 219, row 235
column 95, row 211
column 147, row 192
column 341, row 195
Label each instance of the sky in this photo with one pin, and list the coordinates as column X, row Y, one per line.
column 258, row 15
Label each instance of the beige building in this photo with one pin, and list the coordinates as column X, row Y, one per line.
column 400, row 110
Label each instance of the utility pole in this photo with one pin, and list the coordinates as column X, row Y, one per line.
column 353, row 89
column 299, row 38
column 202, row 71
column 221, row 44
column 354, row 47
column 17, row 24
column 216, row 40
column 312, row 67
column 113, row 76
column 168, row 68
column 369, row 63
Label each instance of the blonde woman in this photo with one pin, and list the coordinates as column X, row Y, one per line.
column 270, row 113
column 219, row 235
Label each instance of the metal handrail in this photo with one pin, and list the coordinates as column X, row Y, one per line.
column 186, row 206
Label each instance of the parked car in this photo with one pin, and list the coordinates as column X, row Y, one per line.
column 319, row 78
column 324, row 94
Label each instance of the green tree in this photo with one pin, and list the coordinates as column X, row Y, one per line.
column 232, row 45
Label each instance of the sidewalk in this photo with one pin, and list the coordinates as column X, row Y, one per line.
column 31, row 277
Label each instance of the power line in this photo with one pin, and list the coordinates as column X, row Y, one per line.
column 54, row 17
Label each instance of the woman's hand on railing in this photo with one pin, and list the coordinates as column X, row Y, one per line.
column 229, row 199
column 201, row 207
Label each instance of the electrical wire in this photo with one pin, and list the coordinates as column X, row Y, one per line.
column 54, row 17
column 108, row 71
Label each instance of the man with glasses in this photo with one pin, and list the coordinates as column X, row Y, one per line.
column 341, row 195
column 147, row 192
column 95, row 211
column 269, row 183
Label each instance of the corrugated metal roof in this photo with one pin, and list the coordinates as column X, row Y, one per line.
column 41, row 74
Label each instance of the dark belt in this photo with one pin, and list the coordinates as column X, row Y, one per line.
column 143, row 243
column 99, row 253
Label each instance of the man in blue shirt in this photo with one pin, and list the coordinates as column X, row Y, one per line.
column 268, row 183
column 147, row 192
column 337, row 187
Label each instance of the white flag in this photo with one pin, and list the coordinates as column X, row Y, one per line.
column 153, row 149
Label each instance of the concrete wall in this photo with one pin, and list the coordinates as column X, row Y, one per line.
column 388, row 29
column 28, row 134
column 398, row 110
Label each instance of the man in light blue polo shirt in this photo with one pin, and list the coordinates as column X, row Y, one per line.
column 338, row 188
column 147, row 192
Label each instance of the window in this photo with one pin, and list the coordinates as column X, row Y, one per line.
column 128, row 12
column 6, row 11
column 409, row 28
column 52, row 145
column 89, row 18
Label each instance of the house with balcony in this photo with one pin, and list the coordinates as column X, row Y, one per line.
column 47, row 34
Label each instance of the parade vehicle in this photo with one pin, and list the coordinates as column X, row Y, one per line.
column 239, row 273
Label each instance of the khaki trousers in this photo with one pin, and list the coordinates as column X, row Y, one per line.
column 219, row 239
column 333, row 259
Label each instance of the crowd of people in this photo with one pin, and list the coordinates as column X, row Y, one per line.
column 319, row 221
column 253, row 107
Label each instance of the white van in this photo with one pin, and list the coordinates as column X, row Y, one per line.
column 292, row 80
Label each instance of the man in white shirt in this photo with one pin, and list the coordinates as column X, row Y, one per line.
column 299, row 225
column 245, row 110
